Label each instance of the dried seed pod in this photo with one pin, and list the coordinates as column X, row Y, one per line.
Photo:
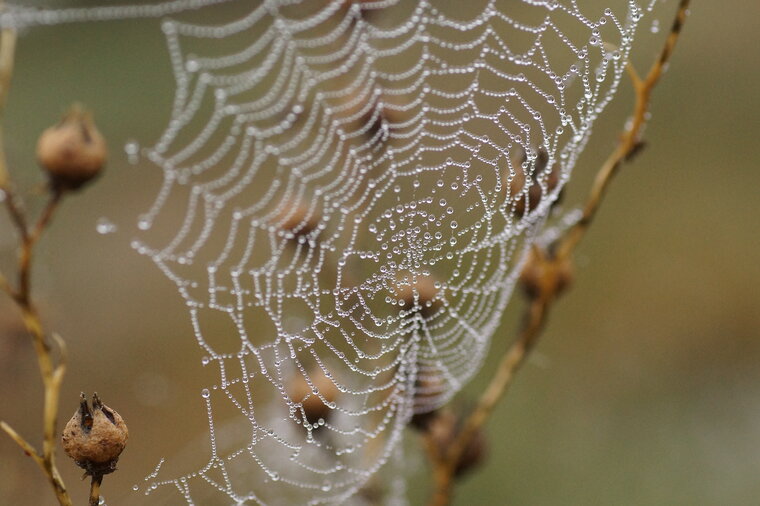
column 474, row 454
column 95, row 437
column 535, row 193
column 298, row 219
column 542, row 272
column 444, row 428
column 426, row 388
column 371, row 113
column 72, row 152
column 396, row 110
column 313, row 405
column 427, row 302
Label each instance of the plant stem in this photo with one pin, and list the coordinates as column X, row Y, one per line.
column 7, row 57
column 95, row 490
column 630, row 141
column 51, row 370
column 540, row 304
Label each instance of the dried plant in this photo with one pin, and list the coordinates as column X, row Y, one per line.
column 72, row 153
column 546, row 274
column 453, row 440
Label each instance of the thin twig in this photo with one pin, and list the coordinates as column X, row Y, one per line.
column 541, row 302
column 52, row 372
column 95, row 489
column 29, row 240
column 630, row 139
column 7, row 57
column 24, row 444
column 5, row 286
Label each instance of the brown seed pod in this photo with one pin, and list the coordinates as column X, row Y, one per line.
column 395, row 110
column 371, row 113
column 542, row 272
column 474, row 454
column 427, row 302
column 95, row 437
column 535, row 193
column 312, row 404
column 426, row 388
column 297, row 219
column 72, row 152
column 444, row 428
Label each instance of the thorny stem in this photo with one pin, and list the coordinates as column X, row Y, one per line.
column 540, row 304
column 51, row 370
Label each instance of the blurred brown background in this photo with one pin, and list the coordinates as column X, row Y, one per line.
column 645, row 389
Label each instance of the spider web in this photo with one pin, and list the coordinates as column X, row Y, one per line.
column 358, row 184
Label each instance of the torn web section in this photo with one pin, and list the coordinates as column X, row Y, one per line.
column 350, row 190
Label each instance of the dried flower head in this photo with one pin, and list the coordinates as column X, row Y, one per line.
column 95, row 437
column 73, row 151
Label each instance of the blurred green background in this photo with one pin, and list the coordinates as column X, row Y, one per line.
column 645, row 388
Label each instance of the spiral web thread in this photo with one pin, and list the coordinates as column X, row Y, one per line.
column 349, row 189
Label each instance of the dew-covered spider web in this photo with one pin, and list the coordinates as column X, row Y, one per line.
column 357, row 186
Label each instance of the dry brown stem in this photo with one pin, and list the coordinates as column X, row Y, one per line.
column 540, row 301
column 52, row 370
column 95, row 490
column 7, row 52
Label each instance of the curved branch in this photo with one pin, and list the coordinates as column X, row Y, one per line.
column 551, row 266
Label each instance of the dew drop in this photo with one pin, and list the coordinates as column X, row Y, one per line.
column 132, row 149
column 143, row 224
column 105, row 226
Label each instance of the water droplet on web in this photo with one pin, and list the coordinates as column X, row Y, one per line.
column 655, row 28
column 105, row 226
column 132, row 149
column 143, row 224
column 205, row 393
